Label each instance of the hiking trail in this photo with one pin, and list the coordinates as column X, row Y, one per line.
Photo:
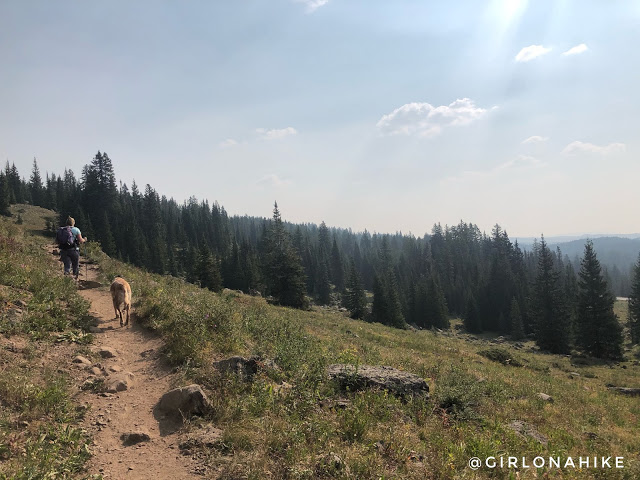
column 111, row 415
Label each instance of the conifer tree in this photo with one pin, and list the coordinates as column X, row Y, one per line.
column 323, row 285
column 548, row 307
column 284, row 275
column 471, row 316
column 437, row 313
column 354, row 298
column 517, row 328
column 634, row 304
column 36, row 188
column 337, row 270
column 598, row 330
column 4, row 195
column 208, row 270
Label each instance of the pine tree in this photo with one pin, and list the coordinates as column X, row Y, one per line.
column 36, row 188
column 386, row 308
column 634, row 304
column 323, row 286
column 284, row 275
column 598, row 330
column 517, row 328
column 437, row 313
column 471, row 317
column 548, row 307
column 337, row 269
column 354, row 298
column 4, row 195
column 208, row 270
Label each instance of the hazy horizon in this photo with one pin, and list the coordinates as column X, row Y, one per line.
column 365, row 114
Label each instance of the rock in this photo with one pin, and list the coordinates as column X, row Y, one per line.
column 185, row 401
column 525, row 430
column 544, row 397
column 115, row 368
column 632, row 392
column 240, row 366
column 95, row 371
column 120, row 383
column 395, row 381
column 573, row 375
column 91, row 383
column 14, row 315
column 107, row 352
column 339, row 404
column 132, row 438
column 82, row 360
column 329, row 465
column 206, row 437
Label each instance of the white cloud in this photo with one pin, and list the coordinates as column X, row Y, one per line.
column 535, row 139
column 582, row 147
column 272, row 180
column 425, row 120
column 313, row 5
column 521, row 161
column 576, row 50
column 276, row 133
column 228, row 143
column 531, row 52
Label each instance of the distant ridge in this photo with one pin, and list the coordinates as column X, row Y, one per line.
column 523, row 241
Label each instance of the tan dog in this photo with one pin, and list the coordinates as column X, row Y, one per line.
column 121, row 294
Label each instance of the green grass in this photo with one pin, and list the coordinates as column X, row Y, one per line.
column 277, row 432
column 39, row 425
column 476, row 391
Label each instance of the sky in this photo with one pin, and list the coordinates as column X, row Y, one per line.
column 367, row 114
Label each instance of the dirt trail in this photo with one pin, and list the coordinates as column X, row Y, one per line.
column 111, row 415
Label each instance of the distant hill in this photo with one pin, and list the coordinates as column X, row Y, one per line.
column 612, row 251
column 617, row 255
column 526, row 241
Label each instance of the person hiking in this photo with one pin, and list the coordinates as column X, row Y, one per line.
column 69, row 239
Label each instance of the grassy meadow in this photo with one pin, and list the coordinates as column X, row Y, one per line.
column 40, row 435
column 287, row 423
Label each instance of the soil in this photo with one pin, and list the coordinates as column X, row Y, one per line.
column 111, row 415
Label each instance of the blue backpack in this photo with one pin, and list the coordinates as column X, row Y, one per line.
column 65, row 238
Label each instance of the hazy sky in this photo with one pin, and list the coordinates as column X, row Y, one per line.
column 377, row 114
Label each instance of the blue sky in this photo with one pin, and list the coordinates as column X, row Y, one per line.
column 363, row 113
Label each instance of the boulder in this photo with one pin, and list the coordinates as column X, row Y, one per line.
column 527, row 431
column 243, row 367
column 544, row 397
column 185, row 401
column 81, row 360
column 107, row 352
column 132, row 438
column 120, row 383
column 632, row 392
column 362, row 377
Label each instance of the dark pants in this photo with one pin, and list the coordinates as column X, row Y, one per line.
column 70, row 257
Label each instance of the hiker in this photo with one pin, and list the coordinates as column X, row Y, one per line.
column 69, row 239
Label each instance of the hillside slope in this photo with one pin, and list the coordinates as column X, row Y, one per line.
column 289, row 421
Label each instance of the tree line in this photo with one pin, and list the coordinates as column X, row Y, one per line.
column 394, row 279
